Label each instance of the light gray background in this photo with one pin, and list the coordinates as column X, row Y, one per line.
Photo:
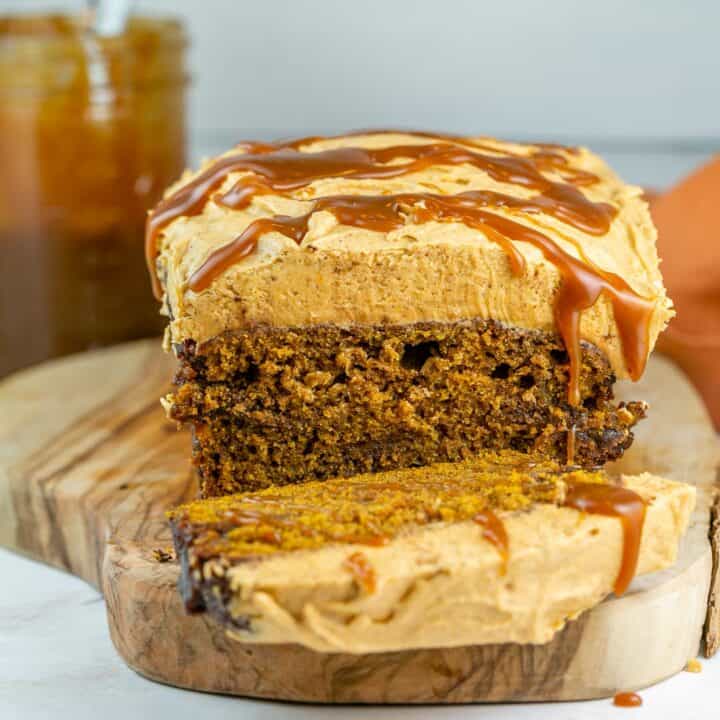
column 638, row 80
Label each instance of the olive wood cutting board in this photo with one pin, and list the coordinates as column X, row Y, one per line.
column 89, row 464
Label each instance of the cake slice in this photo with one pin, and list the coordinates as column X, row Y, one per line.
column 505, row 548
column 386, row 300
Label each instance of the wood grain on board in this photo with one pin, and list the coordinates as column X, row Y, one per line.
column 89, row 464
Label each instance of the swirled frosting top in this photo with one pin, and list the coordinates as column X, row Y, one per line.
column 390, row 227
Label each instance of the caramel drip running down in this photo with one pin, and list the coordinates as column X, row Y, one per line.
column 627, row 699
column 571, row 443
column 282, row 168
column 619, row 502
column 493, row 530
column 363, row 572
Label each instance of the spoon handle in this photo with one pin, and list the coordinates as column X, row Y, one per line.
column 109, row 16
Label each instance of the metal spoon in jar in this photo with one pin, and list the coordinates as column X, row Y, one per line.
column 109, row 17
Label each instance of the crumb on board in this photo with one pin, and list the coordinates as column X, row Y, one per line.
column 693, row 666
column 163, row 555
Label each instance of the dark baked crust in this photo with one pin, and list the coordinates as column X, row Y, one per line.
column 280, row 405
column 198, row 593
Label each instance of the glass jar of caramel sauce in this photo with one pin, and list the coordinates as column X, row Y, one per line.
column 92, row 129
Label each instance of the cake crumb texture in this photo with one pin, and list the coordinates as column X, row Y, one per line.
column 271, row 406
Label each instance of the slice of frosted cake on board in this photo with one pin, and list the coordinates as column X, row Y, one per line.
column 505, row 548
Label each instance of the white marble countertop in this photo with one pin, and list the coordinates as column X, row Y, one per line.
column 57, row 661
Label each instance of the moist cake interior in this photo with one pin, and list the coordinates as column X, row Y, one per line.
column 274, row 406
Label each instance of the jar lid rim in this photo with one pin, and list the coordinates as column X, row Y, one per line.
column 59, row 31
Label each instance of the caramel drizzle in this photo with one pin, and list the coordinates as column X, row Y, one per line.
column 272, row 525
column 281, row 168
column 493, row 530
column 360, row 568
column 571, row 446
column 614, row 501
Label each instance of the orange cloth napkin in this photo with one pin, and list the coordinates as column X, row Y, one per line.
column 688, row 222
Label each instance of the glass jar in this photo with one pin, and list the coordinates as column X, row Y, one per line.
column 92, row 130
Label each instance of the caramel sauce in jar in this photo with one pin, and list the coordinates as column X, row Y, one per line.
column 91, row 133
